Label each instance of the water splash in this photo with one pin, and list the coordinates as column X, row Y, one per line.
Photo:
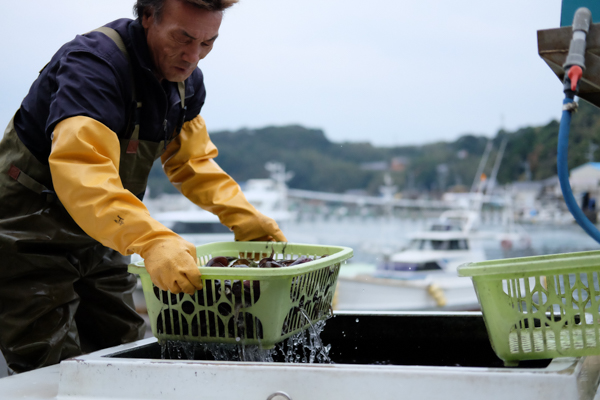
column 303, row 347
column 315, row 343
column 306, row 347
column 229, row 352
column 178, row 350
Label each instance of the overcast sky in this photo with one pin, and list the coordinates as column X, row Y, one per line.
column 390, row 72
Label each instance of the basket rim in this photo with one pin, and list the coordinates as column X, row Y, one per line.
column 336, row 254
column 567, row 262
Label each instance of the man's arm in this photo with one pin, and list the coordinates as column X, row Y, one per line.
column 88, row 107
column 84, row 163
column 188, row 162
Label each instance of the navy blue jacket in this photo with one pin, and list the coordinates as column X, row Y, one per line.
column 91, row 77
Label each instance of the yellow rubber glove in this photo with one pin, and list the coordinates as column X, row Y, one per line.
column 188, row 162
column 172, row 265
column 84, row 163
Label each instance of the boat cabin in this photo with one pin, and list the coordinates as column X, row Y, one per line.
column 431, row 251
column 433, row 244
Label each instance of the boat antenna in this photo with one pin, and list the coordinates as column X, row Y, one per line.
column 482, row 164
column 496, row 167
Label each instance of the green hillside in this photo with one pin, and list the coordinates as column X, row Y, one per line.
column 321, row 165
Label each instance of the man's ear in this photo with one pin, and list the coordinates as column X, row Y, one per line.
column 147, row 18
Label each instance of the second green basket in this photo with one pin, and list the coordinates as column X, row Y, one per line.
column 540, row 307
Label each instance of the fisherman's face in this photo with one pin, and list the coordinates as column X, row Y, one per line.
column 180, row 38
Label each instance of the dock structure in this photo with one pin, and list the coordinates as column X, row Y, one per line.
column 352, row 199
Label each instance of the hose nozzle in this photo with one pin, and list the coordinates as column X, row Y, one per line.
column 575, row 62
column 581, row 27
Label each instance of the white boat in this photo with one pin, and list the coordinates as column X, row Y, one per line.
column 431, row 252
column 421, row 277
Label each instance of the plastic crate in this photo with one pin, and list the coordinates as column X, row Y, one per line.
column 540, row 307
column 251, row 306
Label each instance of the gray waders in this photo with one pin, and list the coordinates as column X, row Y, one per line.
column 62, row 293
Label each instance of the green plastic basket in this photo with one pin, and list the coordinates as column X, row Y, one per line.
column 251, row 306
column 540, row 307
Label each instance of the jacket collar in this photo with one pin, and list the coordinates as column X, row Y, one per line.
column 140, row 45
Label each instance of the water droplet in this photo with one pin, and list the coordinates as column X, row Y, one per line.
column 237, row 339
column 356, row 319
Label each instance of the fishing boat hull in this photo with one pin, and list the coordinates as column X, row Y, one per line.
column 366, row 292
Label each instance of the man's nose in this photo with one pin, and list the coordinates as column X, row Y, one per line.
column 192, row 56
column 193, row 53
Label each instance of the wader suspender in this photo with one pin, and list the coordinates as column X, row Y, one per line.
column 31, row 184
column 138, row 155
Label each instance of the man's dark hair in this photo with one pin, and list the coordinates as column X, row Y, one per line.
column 157, row 5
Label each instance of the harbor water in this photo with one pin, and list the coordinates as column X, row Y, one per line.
column 372, row 238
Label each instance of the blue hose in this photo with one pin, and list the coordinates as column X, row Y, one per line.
column 563, row 175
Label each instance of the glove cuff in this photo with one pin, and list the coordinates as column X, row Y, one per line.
column 259, row 228
column 172, row 242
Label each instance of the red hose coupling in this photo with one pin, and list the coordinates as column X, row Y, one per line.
column 575, row 73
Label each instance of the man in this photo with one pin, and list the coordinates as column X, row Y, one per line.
column 74, row 163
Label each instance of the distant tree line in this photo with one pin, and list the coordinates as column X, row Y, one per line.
column 321, row 165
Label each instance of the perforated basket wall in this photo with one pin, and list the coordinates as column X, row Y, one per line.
column 247, row 305
column 540, row 307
